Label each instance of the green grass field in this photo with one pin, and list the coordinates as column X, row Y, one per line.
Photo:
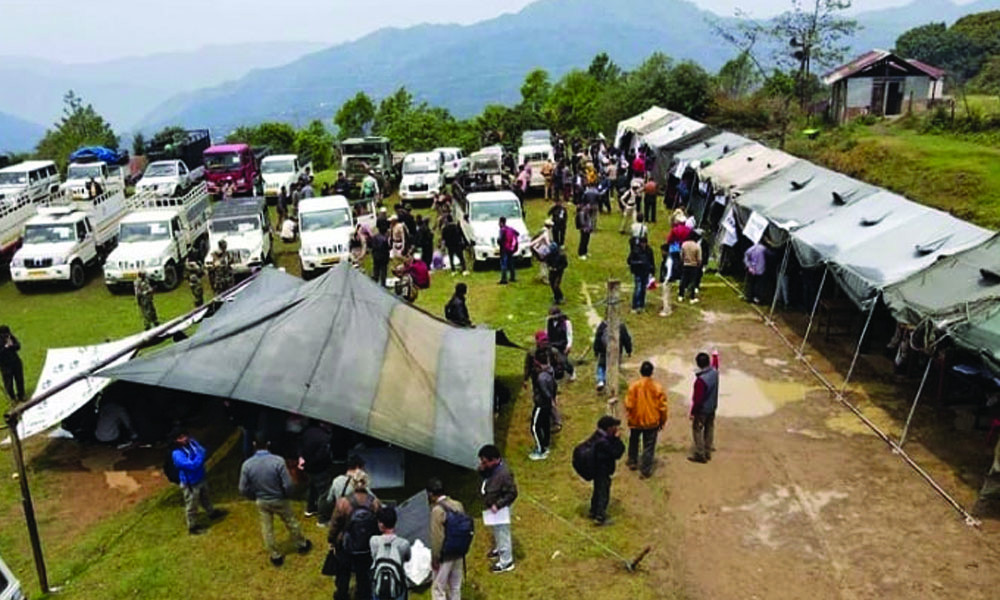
column 143, row 552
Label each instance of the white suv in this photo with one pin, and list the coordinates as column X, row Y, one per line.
column 454, row 162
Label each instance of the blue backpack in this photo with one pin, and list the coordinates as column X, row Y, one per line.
column 458, row 531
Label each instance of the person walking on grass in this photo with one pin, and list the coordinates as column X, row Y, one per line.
column 507, row 240
column 144, row 298
column 188, row 457
column 585, row 215
column 691, row 265
column 601, row 351
column 499, row 491
column 608, row 448
column 646, row 410
column 389, row 553
column 704, row 402
column 557, row 262
column 380, row 250
column 559, row 216
column 543, row 393
column 352, row 527
column 265, row 479
column 448, row 570
column 642, row 264
column 11, row 367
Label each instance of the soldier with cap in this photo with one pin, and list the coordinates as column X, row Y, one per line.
column 222, row 269
column 144, row 297
column 196, row 272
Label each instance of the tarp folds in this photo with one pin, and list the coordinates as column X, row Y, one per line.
column 342, row 349
column 703, row 153
column 643, row 122
column 745, row 166
column 951, row 290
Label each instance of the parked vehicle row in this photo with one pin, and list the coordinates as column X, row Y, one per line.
column 245, row 225
column 283, row 170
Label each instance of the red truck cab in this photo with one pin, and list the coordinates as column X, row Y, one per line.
column 231, row 162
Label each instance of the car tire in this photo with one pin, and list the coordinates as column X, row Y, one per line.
column 77, row 275
column 171, row 278
column 306, row 275
column 22, row 287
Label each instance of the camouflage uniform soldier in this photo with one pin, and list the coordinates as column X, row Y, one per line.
column 196, row 272
column 144, row 297
column 222, row 269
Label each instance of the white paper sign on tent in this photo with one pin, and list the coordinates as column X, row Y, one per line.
column 755, row 227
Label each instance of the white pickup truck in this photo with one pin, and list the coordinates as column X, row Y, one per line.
column 283, row 170
column 480, row 214
column 79, row 174
column 325, row 227
column 169, row 178
column 245, row 225
column 65, row 238
column 158, row 237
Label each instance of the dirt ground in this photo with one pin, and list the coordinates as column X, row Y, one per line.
column 798, row 495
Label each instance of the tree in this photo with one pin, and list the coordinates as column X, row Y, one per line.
column 988, row 79
column 603, row 69
column 572, row 105
column 738, row 77
column 138, row 144
column 278, row 137
column 355, row 116
column 392, row 111
column 689, row 90
column 817, row 34
column 79, row 126
column 534, row 94
column 315, row 141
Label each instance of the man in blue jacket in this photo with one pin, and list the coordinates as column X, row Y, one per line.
column 189, row 459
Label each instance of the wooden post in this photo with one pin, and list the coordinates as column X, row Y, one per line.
column 614, row 352
column 27, row 505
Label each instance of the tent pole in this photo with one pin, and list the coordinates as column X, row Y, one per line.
column 613, row 361
column 861, row 340
column 781, row 273
column 812, row 315
column 27, row 505
column 913, row 409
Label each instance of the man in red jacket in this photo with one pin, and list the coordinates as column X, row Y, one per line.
column 704, row 403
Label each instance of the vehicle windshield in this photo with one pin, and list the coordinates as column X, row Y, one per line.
column 152, row 231
column 278, row 166
column 14, row 178
column 537, row 136
column 164, row 170
column 362, row 148
column 358, row 166
column 325, row 219
column 235, row 224
column 49, row 234
column 414, row 168
column 492, row 210
column 222, row 161
column 532, row 157
column 83, row 172
column 485, row 163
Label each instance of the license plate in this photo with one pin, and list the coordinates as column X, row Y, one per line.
column 37, row 273
column 130, row 275
column 329, row 261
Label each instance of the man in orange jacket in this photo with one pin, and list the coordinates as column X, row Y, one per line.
column 646, row 409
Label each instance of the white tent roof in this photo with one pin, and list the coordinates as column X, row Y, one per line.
column 745, row 166
column 641, row 120
column 672, row 131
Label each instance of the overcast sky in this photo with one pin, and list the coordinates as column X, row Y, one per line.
column 78, row 31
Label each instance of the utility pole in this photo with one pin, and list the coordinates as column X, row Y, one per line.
column 614, row 353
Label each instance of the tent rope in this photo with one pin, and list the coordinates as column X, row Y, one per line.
column 576, row 529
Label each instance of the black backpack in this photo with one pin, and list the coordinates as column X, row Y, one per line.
column 170, row 469
column 459, row 528
column 361, row 526
column 388, row 579
column 585, row 458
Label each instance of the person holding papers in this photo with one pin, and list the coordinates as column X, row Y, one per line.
column 499, row 492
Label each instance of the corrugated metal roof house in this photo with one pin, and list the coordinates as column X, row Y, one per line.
column 881, row 83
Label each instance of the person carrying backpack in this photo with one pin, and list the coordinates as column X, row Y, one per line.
column 187, row 460
column 594, row 460
column 389, row 553
column 451, row 537
column 352, row 527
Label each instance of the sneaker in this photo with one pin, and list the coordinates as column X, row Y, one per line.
column 323, row 524
column 680, row 299
column 663, row 314
column 584, row 257
column 196, row 530
column 600, row 386
column 309, row 514
column 277, row 560
column 453, row 273
column 572, row 376
column 498, row 568
column 536, row 455
column 305, row 548
column 546, row 453
column 493, row 553
column 502, row 282
column 464, row 273
column 697, row 459
column 694, row 300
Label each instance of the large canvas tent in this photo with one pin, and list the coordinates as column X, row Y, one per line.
column 675, row 135
column 705, row 152
column 744, row 166
column 643, row 122
column 342, row 349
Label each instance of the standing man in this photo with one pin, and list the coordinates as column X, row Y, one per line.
column 691, row 267
column 315, row 461
column 754, row 259
column 543, row 391
column 704, row 402
column 264, row 478
column 454, row 243
column 507, row 240
column 557, row 262
column 11, row 368
column 608, row 448
column 353, row 526
column 585, row 225
column 380, row 249
column 559, row 330
column 196, row 272
column 646, row 409
column 222, row 269
column 448, row 570
column 548, row 169
column 649, row 191
column 456, row 311
column 559, row 216
column 282, row 204
column 642, row 264
column 425, row 241
column 601, row 350
column 499, row 492
column 188, row 457
column 144, row 298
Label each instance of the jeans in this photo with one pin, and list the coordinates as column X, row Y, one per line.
column 690, row 279
column 502, row 544
column 454, row 253
column 541, row 427
column 559, row 233
column 584, row 243
column 507, row 261
column 600, row 497
column 195, row 495
column 648, row 439
column 703, row 432
column 602, row 374
column 448, row 580
column 360, row 565
column 267, row 510
column 639, row 293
